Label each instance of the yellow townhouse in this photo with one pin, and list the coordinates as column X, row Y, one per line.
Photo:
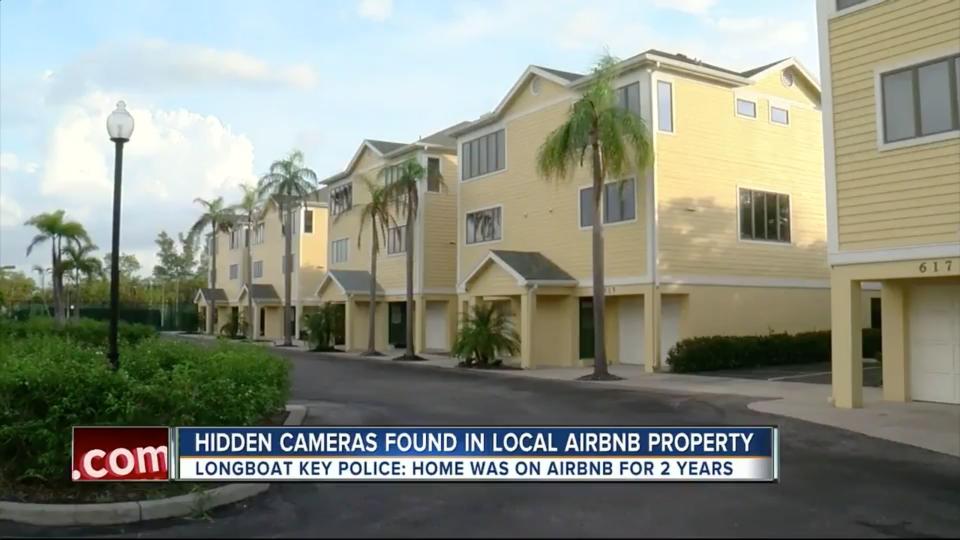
column 347, row 284
column 723, row 235
column 266, row 262
column 891, row 73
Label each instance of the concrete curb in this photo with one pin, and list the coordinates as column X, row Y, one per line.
column 134, row 511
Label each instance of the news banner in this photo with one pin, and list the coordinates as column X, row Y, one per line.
column 316, row 454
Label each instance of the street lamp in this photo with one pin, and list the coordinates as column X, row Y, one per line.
column 119, row 127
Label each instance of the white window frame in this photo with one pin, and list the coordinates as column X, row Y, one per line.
column 882, row 69
column 756, row 106
column 346, row 256
column 257, row 264
column 764, row 242
column 603, row 207
column 503, row 230
column 656, row 104
column 476, row 135
column 771, row 105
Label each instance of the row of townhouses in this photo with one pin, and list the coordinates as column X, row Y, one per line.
column 772, row 205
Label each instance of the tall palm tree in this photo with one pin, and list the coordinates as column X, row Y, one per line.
column 53, row 227
column 218, row 219
column 248, row 212
column 404, row 191
column 377, row 212
column 617, row 143
column 289, row 183
column 79, row 261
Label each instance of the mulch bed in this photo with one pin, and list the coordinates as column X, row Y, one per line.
column 97, row 492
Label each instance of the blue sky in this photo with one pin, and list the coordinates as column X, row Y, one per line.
column 219, row 89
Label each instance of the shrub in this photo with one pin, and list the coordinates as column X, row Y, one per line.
column 734, row 352
column 483, row 334
column 50, row 383
column 84, row 331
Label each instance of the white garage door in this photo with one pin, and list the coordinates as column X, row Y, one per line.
column 631, row 329
column 437, row 326
column 934, row 327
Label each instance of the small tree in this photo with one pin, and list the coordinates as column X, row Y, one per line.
column 484, row 333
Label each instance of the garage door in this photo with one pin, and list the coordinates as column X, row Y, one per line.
column 935, row 343
column 437, row 326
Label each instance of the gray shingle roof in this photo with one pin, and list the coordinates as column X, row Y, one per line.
column 354, row 281
column 216, row 295
column 385, row 147
column 567, row 75
column 533, row 265
column 263, row 292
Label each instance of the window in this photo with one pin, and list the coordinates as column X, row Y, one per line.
column 747, row 108
column 483, row 155
column 396, row 239
column 764, row 216
column 258, row 233
column 338, row 250
column 619, row 203
column 484, row 225
column 433, row 174
column 341, row 199
column 921, row 100
column 844, row 4
column 779, row 116
column 257, row 269
column 308, row 221
column 628, row 97
column 665, row 106
column 234, row 271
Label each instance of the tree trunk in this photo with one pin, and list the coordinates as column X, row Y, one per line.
column 374, row 249
column 409, row 246
column 288, row 270
column 599, row 350
column 212, row 302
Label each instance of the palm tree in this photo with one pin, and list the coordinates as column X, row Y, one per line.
column 53, row 227
column 377, row 212
column 289, row 183
column 218, row 219
column 78, row 259
column 248, row 212
column 617, row 143
column 404, row 191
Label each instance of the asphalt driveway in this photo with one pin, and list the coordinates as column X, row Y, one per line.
column 834, row 482
column 818, row 373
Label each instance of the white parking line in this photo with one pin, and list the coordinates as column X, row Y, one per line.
column 801, row 376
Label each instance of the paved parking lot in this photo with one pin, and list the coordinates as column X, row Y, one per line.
column 801, row 373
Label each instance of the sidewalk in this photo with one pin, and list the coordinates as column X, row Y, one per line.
column 934, row 426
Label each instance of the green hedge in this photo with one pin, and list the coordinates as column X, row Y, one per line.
column 50, row 383
column 732, row 352
column 84, row 331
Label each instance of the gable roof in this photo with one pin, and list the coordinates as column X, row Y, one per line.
column 350, row 281
column 528, row 267
column 263, row 293
column 207, row 295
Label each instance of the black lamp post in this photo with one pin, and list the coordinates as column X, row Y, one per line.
column 119, row 127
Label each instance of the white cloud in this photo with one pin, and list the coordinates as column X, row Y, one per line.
column 693, row 7
column 377, row 10
column 11, row 215
column 158, row 65
column 10, row 162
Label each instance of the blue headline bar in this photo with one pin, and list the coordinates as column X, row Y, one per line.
column 477, row 442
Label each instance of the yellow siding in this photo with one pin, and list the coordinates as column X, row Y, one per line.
column 541, row 215
column 440, row 232
column 900, row 197
column 712, row 153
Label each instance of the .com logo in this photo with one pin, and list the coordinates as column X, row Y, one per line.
column 129, row 454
